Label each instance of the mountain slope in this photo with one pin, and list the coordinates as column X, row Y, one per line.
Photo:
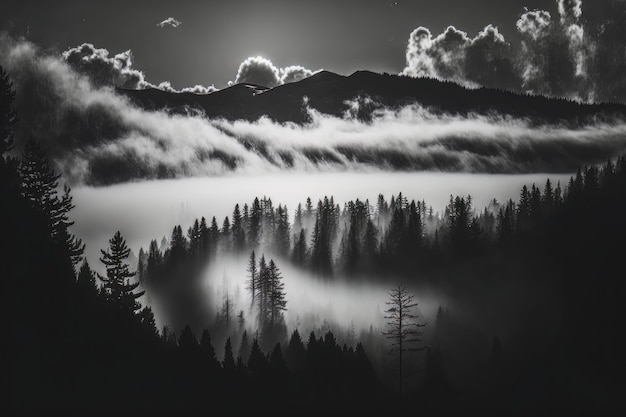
column 327, row 93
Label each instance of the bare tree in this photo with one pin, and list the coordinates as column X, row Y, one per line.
column 404, row 329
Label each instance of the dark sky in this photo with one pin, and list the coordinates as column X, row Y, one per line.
column 216, row 36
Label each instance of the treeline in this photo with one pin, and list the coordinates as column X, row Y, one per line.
column 391, row 236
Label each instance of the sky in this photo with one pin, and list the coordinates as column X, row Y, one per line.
column 214, row 37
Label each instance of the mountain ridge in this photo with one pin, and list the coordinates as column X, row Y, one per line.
column 329, row 93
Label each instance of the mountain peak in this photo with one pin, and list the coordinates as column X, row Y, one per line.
column 324, row 75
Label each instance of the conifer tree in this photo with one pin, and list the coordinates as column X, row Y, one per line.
column 282, row 235
column 237, row 231
column 298, row 218
column 86, row 280
column 276, row 294
column 257, row 362
column 244, row 346
column 262, row 292
column 404, row 330
column 39, row 187
column 8, row 116
column 256, row 217
column 299, row 249
column 117, row 283
column 155, row 259
column 214, row 236
column 253, row 278
column 227, row 310
column 228, row 364
column 207, row 352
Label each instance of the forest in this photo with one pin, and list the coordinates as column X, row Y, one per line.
column 83, row 342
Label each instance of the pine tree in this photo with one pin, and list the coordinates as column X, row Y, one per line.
column 39, row 187
column 253, row 277
column 227, row 310
column 154, row 262
column 256, row 218
column 237, row 231
column 276, row 294
column 178, row 245
column 299, row 249
column 204, row 236
column 404, row 330
column 257, row 362
column 117, row 283
column 228, row 364
column 8, row 116
column 262, row 290
column 295, row 354
column 298, row 217
column 277, row 365
column 226, row 238
column 244, row 346
column 207, row 352
column 194, row 238
column 147, row 321
column 282, row 235
column 214, row 236
column 187, row 342
column 86, row 280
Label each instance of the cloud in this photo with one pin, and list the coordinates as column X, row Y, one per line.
column 294, row 73
column 419, row 63
column 569, row 10
column 534, row 23
column 104, row 70
column 200, row 89
column 97, row 137
column 197, row 89
column 117, row 71
column 261, row 71
column 560, row 57
column 170, row 21
column 453, row 56
column 258, row 70
column 488, row 60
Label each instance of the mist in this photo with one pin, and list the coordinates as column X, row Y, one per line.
column 96, row 137
column 143, row 211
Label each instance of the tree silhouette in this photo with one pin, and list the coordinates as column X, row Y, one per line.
column 276, row 293
column 86, row 280
column 8, row 116
column 404, row 330
column 39, row 187
column 117, row 283
column 253, row 277
column 228, row 364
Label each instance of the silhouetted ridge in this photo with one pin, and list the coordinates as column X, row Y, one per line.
column 328, row 92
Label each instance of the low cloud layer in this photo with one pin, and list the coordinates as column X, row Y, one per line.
column 170, row 21
column 97, row 137
column 561, row 56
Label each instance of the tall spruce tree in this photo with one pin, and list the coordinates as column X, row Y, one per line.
column 276, row 294
column 253, row 278
column 40, row 188
column 117, row 283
